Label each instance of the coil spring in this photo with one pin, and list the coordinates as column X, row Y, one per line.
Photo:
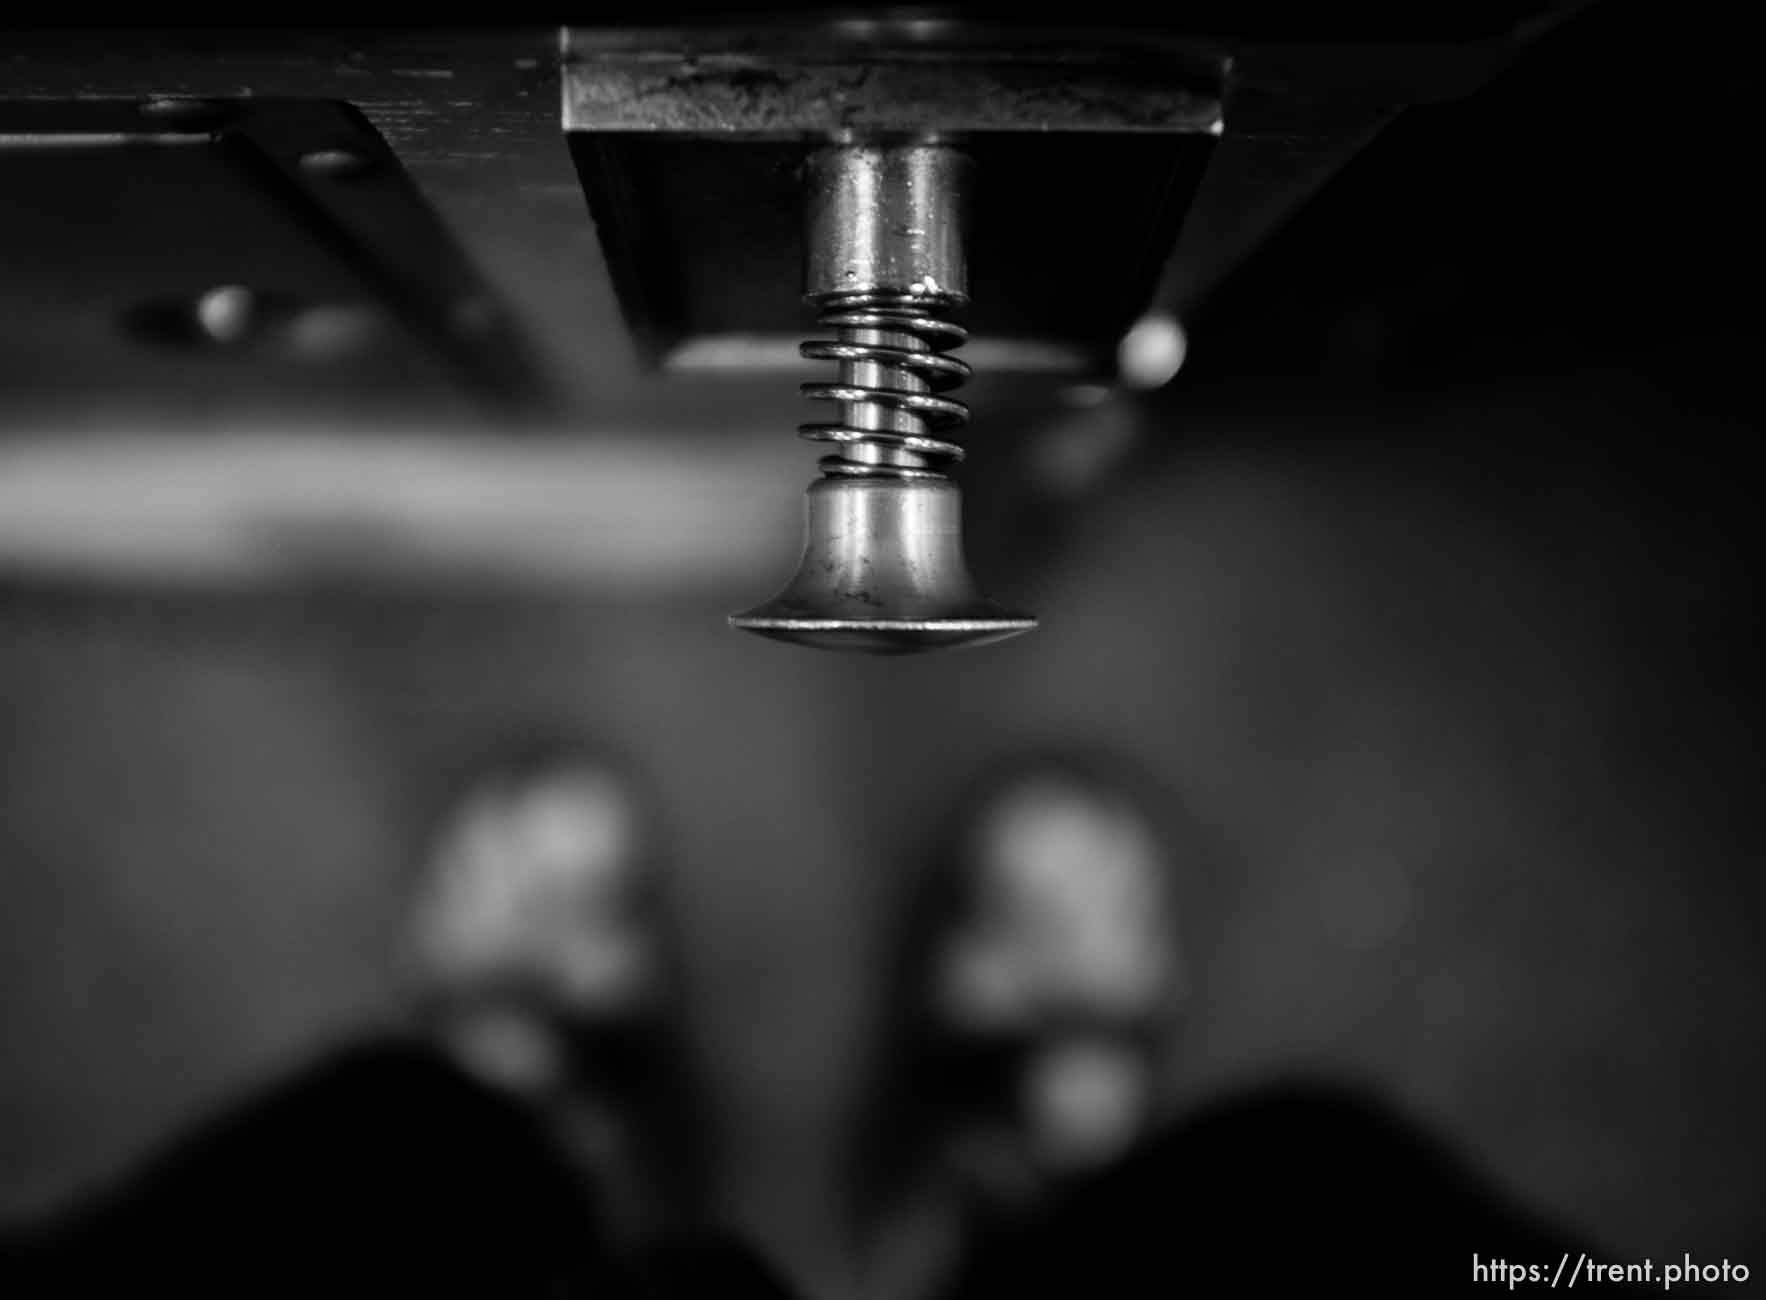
column 893, row 373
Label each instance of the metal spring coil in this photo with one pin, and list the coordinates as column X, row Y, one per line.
column 893, row 373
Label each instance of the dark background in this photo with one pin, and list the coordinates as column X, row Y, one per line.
column 1428, row 594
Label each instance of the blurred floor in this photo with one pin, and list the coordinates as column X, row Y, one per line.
column 1466, row 747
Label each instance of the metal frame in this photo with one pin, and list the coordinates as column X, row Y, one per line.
column 342, row 180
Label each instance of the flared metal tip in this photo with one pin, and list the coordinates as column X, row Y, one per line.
column 885, row 636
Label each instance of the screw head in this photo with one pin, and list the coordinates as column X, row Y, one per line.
column 186, row 112
column 338, row 164
column 883, row 573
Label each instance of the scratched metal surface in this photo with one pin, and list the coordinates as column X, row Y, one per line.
column 475, row 116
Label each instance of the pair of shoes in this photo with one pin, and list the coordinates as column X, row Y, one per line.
column 1032, row 1004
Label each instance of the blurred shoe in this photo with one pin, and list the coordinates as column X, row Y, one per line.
column 1041, row 976
column 547, row 961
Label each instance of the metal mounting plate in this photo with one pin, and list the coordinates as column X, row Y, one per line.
column 1120, row 167
column 1085, row 161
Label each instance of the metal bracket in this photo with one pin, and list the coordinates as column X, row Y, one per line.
column 1086, row 159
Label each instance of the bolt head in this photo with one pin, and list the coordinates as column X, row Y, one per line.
column 883, row 573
